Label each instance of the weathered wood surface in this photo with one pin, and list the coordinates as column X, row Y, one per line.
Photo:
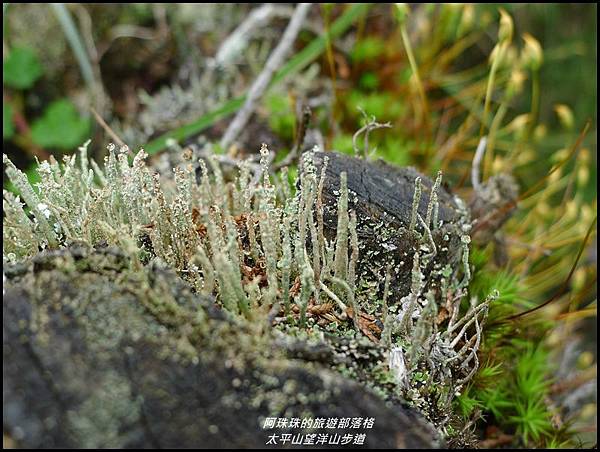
column 381, row 187
column 89, row 361
column 382, row 197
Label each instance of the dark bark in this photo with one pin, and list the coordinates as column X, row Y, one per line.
column 382, row 197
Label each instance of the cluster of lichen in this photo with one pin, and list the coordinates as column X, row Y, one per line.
column 260, row 249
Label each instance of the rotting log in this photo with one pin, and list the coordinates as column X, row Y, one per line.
column 382, row 197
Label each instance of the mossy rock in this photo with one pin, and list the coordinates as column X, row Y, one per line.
column 99, row 354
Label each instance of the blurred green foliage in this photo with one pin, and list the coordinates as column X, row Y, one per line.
column 22, row 68
column 367, row 49
column 380, row 104
column 60, row 127
column 568, row 35
column 8, row 126
column 281, row 116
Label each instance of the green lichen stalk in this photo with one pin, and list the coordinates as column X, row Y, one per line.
column 260, row 248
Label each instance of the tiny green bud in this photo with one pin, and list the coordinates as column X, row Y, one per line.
column 532, row 55
column 402, row 11
column 565, row 115
column 505, row 30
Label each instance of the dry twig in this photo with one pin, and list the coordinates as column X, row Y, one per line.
column 262, row 82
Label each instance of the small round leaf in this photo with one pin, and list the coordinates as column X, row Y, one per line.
column 22, row 68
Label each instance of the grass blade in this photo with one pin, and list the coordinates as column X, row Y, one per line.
column 72, row 34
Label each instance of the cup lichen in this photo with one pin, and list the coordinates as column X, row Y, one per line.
column 260, row 248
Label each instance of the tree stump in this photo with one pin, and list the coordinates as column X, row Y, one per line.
column 382, row 197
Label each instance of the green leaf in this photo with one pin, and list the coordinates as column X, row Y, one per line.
column 60, row 127
column 22, row 68
column 8, row 125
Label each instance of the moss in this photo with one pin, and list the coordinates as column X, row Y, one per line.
column 95, row 366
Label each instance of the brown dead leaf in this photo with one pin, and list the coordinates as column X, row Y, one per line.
column 320, row 309
column 443, row 314
column 367, row 324
column 295, row 287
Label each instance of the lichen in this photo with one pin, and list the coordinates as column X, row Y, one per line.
column 263, row 252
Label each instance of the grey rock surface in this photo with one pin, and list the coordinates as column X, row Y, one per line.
column 98, row 355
